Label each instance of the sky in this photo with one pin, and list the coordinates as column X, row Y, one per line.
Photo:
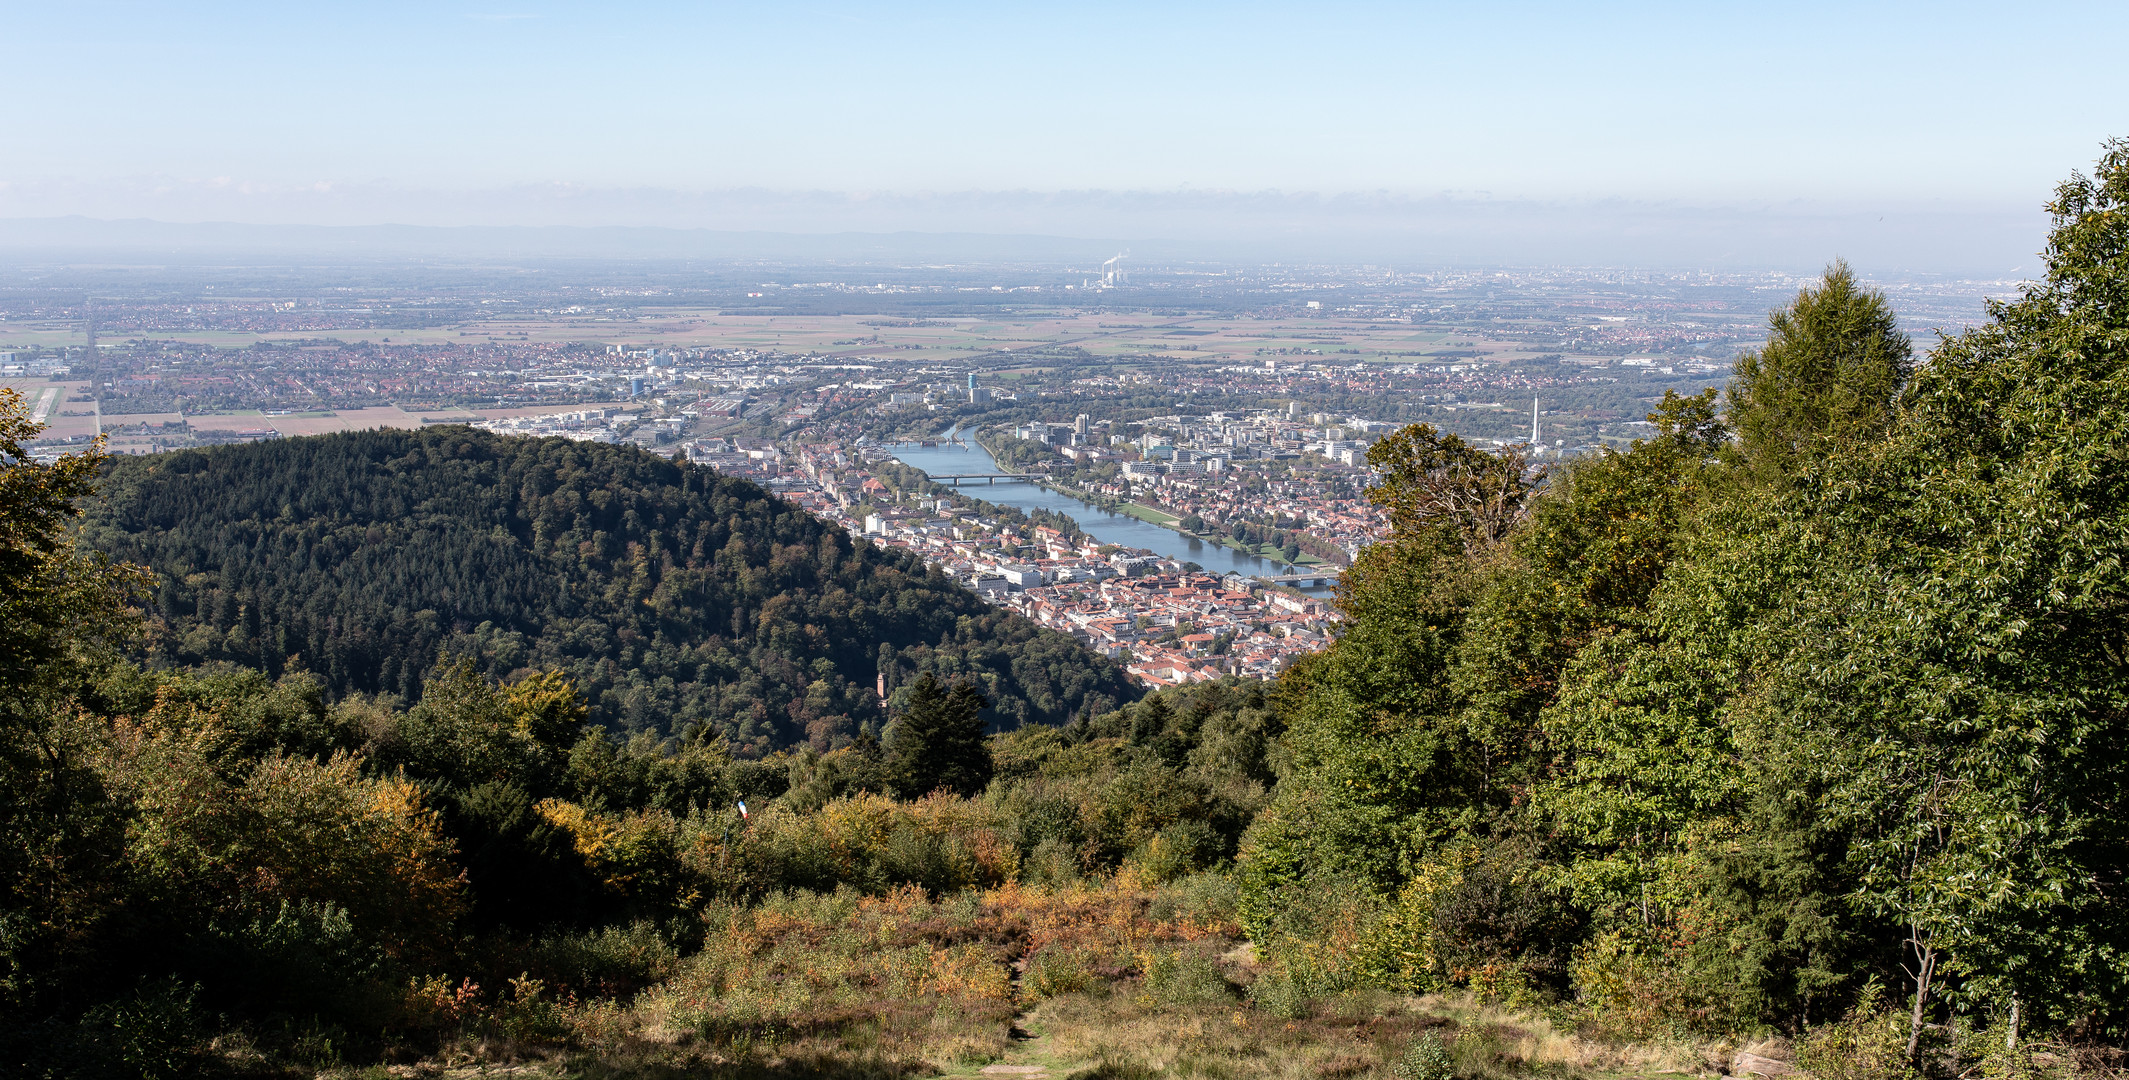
column 1036, row 117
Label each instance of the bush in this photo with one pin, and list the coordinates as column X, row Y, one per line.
column 1310, row 943
column 1426, row 1058
column 613, row 962
column 1053, row 862
column 305, row 963
column 530, row 1014
column 1203, row 900
column 155, row 1033
column 1870, row 1043
column 1184, row 978
column 1055, row 972
column 1179, row 849
column 1494, row 918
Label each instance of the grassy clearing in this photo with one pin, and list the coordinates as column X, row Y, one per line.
column 1148, row 514
column 1076, row 982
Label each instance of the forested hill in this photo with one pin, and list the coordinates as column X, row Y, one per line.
column 674, row 597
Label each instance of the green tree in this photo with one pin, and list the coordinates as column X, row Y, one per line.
column 53, row 598
column 937, row 743
column 61, row 838
column 1830, row 374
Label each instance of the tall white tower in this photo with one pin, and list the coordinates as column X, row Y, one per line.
column 1533, row 421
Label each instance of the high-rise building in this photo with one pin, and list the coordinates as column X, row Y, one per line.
column 1081, row 426
column 972, row 380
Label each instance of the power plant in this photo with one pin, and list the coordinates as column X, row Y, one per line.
column 1112, row 271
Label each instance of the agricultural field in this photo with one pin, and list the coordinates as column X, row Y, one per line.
column 1213, row 337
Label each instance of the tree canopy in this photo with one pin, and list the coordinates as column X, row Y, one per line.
column 1839, row 703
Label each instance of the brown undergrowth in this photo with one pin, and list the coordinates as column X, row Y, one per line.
column 1088, row 981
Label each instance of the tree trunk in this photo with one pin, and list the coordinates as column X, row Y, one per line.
column 1925, row 963
column 2010, row 1038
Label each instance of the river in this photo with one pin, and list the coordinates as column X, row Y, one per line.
column 1109, row 528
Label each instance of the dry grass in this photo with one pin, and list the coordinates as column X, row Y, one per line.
column 1088, row 982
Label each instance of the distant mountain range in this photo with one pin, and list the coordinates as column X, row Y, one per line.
column 82, row 238
column 1058, row 230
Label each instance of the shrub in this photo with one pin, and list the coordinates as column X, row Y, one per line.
column 613, row 962
column 1053, row 862
column 1179, row 849
column 1183, row 978
column 156, row 1032
column 1055, row 972
column 305, row 962
column 1870, row 1043
column 530, row 1013
column 1426, row 1058
column 1205, row 900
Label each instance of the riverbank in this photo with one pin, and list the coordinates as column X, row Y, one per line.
column 1148, row 514
column 1105, row 519
column 1155, row 516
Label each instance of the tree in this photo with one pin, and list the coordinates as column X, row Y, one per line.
column 673, row 598
column 1830, row 374
column 1429, row 476
column 60, row 839
column 1984, row 703
column 51, row 597
column 937, row 743
column 1885, row 688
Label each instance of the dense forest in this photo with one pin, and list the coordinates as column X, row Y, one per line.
column 1791, row 739
column 679, row 601
column 1815, row 701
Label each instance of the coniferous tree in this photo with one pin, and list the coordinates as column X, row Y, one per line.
column 1829, row 375
column 938, row 741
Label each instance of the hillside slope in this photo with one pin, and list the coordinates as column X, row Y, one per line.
column 674, row 596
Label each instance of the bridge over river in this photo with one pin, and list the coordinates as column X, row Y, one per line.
column 956, row 479
column 1325, row 578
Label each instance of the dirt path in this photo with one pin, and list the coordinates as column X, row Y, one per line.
column 1030, row 1054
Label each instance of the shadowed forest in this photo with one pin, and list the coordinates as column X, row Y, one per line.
column 1792, row 740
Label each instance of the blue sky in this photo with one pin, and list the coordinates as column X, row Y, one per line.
column 204, row 109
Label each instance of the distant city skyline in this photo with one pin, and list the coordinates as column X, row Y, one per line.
column 1080, row 120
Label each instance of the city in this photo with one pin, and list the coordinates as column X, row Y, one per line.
column 1230, row 415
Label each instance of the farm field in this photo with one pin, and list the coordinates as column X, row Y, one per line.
column 66, row 418
column 1196, row 337
column 387, row 416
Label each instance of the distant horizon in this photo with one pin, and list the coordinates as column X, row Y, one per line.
column 1378, row 228
column 1902, row 137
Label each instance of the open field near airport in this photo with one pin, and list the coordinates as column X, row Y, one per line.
column 1196, row 337
column 49, row 403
